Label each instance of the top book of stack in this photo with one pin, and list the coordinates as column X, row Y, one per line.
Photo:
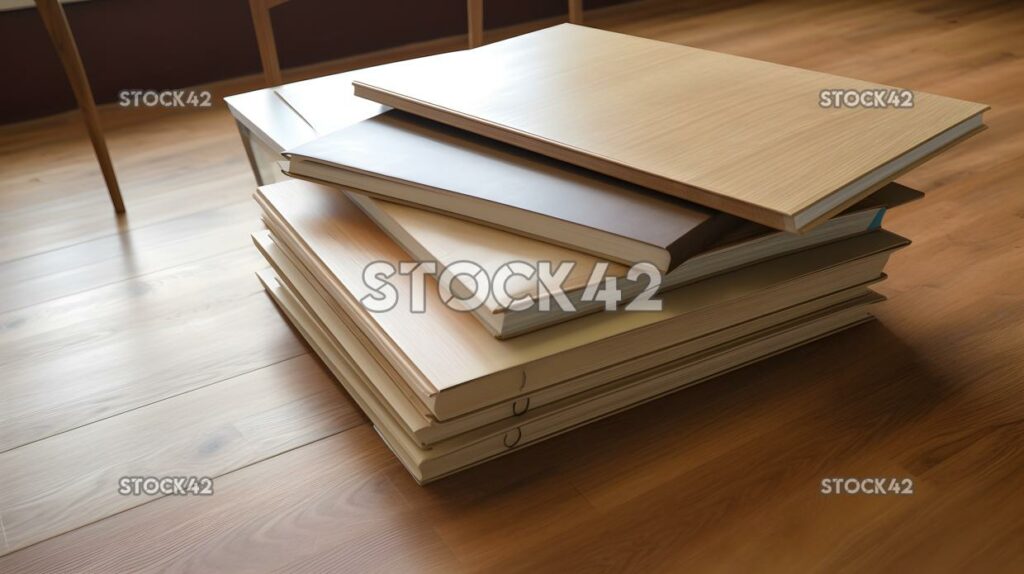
column 746, row 137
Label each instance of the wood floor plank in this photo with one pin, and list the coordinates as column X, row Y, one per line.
column 751, row 512
column 175, row 165
column 83, row 266
column 205, row 433
column 952, row 474
column 331, row 502
column 93, row 355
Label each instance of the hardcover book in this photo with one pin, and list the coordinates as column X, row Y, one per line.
column 750, row 138
column 404, row 158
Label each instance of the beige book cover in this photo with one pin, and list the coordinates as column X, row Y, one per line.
column 759, row 140
column 455, row 366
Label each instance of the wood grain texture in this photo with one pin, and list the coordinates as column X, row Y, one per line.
column 113, row 258
column 740, row 135
column 89, row 356
column 342, row 504
column 171, row 164
column 722, row 477
column 210, row 432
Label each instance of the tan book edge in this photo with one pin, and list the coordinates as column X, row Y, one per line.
column 856, row 272
column 426, row 465
column 428, row 236
column 417, row 420
column 438, row 352
column 739, row 135
column 810, row 221
column 396, row 403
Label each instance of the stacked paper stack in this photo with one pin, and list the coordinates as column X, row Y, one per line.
column 566, row 224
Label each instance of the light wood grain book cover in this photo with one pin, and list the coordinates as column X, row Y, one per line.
column 735, row 134
column 427, row 164
column 456, row 367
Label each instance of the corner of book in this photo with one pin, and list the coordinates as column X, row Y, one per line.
column 876, row 223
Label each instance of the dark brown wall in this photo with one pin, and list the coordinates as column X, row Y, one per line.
column 162, row 44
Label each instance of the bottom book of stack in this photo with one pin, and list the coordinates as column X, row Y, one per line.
column 444, row 394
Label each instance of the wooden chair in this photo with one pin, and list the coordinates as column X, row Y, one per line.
column 265, row 39
column 56, row 23
column 268, row 51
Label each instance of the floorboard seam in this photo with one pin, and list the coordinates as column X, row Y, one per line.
column 129, row 278
column 11, row 552
column 123, row 231
column 3, row 532
column 217, row 382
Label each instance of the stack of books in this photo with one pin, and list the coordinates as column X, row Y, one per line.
column 512, row 241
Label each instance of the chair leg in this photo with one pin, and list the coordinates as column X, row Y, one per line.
column 475, row 16
column 576, row 11
column 265, row 40
column 56, row 23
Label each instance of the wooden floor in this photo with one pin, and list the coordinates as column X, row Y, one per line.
column 146, row 347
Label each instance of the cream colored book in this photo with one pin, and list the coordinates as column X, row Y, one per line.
column 754, row 139
column 420, row 423
column 451, row 363
column 428, row 236
column 461, row 452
